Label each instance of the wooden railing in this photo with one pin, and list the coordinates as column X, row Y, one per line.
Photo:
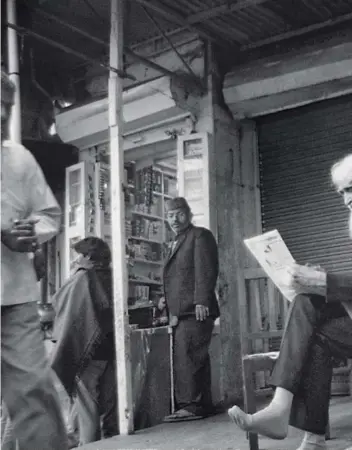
column 263, row 318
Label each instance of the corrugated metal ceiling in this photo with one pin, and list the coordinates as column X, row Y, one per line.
column 237, row 24
column 248, row 22
column 242, row 22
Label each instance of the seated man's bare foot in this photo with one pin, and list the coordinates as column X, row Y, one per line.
column 241, row 419
column 310, row 446
column 270, row 422
column 313, row 441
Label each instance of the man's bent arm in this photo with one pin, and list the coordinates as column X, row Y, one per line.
column 44, row 206
column 339, row 287
column 206, row 267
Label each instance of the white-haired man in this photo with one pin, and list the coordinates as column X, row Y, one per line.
column 318, row 327
column 30, row 216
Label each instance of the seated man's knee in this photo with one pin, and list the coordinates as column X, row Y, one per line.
column 309, row 300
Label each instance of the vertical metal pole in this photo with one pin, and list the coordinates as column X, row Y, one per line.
column 14, row 71
column 122, row 329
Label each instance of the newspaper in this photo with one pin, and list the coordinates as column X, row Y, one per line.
column 271, row 252
column 273, row 255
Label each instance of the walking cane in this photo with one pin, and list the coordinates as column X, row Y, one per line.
column 171, row 332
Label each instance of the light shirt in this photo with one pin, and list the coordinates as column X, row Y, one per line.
column 173, row 246
column 25, row 194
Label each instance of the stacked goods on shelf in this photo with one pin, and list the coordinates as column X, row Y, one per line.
column 141, row 296
column 147, row 234
column 157, row 181
column 147, row 229
column 128, row 228
column 170, row 186
column 144, row 189
column 147, row 251
column 129, row 203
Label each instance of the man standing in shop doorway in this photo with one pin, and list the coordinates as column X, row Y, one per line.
column 190, row 276
column 30, row 216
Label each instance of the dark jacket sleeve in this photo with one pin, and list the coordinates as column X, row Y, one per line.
column 206, row 266
column 339, row 287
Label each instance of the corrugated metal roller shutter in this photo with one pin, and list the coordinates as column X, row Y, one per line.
column 297, row 149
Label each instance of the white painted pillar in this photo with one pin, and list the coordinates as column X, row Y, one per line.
column 120, row 280
column 14, row 71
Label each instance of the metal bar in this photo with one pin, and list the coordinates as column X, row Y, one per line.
column 234, row 34
column 95, row 39
column 296, row 33
column 254, row 274
column 120, row 277
column 22, row 30
column 14, row 72
column 211, row 13
column 172, row 379
column 71, row 27
column 179, row 19
column 127, row 50
column 263, row 334
column 149, row 63
column 158, row 27
column 152, row 40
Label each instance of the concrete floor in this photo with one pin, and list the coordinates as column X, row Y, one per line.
column 218, row 433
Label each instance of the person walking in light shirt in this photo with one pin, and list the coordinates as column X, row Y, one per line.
column 30, row 216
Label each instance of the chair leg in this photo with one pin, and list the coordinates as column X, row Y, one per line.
column 249, row 399
column 327, row 433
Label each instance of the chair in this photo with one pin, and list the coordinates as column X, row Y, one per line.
column 262, row 316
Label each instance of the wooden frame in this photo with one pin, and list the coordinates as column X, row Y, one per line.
column 195, row 149
column 80, row 214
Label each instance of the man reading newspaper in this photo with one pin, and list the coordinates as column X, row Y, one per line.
column 318, row 327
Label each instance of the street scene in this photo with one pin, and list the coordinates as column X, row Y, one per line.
column 176, row 224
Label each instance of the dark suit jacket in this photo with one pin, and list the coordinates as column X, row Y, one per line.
column 339, row 289
column 191, row 272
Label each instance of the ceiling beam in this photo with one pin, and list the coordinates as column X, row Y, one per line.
column 91, row 37
column 232, row 34
column 296, row 33
column 147, row 62
column 26, row 32
column 181, row 20
column 216, row 11
column 128, row 49
column 161, row 31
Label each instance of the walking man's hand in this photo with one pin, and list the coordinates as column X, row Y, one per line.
column 161, row 304
column 21, row 237
column 202, row 312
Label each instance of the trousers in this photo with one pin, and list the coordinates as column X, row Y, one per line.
column 26, row 381
column 192, row 372
column 314, row 334
column 97, row 402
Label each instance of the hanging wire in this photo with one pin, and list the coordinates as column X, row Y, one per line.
column 95, row 12
column 144, row 79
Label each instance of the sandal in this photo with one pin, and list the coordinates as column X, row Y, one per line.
column 182, row 415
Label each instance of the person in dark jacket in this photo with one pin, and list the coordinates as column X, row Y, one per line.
column 190, row 276
column 84, row 353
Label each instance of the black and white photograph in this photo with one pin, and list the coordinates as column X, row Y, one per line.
column 176, row 225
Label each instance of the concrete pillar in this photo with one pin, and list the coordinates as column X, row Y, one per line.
column 250, row 186
column 226, row 210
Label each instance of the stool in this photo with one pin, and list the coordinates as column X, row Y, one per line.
column 251, row 364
